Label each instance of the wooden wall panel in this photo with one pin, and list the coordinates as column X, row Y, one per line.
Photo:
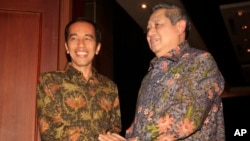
column 19, row 59
column 29, row 42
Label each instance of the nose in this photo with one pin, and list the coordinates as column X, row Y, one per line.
column 81, row 42
column 150, row 31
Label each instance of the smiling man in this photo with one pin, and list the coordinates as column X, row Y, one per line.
column 180, row 96
column 79, row 103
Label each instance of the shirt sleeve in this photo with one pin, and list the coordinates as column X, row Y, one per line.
column 194, row 101
column 116, row 114
column 47, row 111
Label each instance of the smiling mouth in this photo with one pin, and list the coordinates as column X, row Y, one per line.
column 81, row 53
column 153, row 41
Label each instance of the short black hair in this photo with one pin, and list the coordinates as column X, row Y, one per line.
column 82, row 19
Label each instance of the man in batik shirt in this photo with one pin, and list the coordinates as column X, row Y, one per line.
column 79, row 103
column 180, row 97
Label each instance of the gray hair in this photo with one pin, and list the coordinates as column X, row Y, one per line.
column 175, row 13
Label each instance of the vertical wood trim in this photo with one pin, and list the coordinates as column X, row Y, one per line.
column 65, row 16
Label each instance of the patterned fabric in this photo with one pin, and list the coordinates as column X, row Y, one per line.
column 73, row 109
column 179, row 99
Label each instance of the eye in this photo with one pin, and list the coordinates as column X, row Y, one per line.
column 73, row 38
column 157, row 24
column 88, row 38
column 149, row 27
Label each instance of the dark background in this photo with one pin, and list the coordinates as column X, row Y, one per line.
column 207, row 18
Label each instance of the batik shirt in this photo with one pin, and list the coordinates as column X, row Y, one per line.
column 73, row 109
column 179, row 99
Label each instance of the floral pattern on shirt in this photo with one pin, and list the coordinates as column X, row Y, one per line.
column 73, row 109
column 179, row 99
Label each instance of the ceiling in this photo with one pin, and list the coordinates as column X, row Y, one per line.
column 220, row 26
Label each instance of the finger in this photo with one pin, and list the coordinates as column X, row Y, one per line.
column 118, row 137
column 111, row 137
column 106, row 137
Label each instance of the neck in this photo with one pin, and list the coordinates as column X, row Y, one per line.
column 85, row 70
column 87, row 75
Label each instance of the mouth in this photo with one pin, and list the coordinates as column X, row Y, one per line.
column 81, row 53
column 153, row 41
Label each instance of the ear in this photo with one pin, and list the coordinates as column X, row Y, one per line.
column 181, row 26
column 98, row 48
column 66, row 47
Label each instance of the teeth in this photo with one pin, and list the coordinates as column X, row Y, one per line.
column 81, row 53
column 153, row 41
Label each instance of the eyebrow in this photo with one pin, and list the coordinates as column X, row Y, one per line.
column 86, row 35
column 90, row 35
column 72, row 34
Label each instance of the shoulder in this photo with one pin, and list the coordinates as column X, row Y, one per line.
column 106, row 80
column 196, row 51
column 199, row 60
column 52, row 76
column 52, row 73
column 197, row 54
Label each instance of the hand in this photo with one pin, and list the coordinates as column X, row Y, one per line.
column 111, row 137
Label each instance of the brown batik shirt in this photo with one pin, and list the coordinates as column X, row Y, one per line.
column 73, row 109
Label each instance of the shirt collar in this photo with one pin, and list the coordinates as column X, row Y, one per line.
column 71, row 71
column 173, row 55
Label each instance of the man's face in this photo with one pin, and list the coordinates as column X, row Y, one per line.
column 81, row 44
column 162, row 36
